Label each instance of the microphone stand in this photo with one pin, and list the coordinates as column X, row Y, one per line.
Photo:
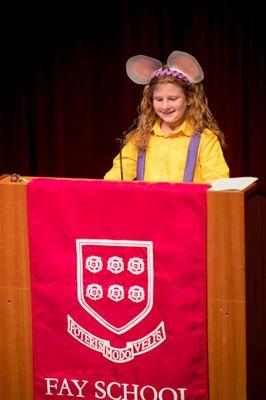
column 121, row 145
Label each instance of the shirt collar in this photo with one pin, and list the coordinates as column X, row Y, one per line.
column 184, row 129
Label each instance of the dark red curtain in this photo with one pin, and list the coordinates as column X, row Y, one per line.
column 65, row 96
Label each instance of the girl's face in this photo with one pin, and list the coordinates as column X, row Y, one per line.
column 169, row 103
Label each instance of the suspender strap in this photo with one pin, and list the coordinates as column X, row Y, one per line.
column 141, row 165
column 190, row 161
column 191, row 157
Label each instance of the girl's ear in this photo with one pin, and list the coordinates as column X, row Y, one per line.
column 188, row 99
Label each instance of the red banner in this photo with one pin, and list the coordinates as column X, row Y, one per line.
column 118, row 276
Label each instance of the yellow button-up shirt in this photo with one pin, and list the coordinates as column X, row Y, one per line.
column 166, row 157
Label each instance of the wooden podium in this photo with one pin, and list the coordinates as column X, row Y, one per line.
column 235, row 335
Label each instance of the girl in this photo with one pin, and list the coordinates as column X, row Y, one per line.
column 176, row 137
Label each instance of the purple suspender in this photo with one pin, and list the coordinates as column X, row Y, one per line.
column 141, row 165
column 191, row 157
column 190, row 161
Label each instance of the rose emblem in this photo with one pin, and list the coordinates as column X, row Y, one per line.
column 94, row 264
column 135, row 265
column 115, row 264
column 94, row 291
column 136, row 294
column 116, row 292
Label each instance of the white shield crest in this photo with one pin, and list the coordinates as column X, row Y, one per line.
column 115, row 281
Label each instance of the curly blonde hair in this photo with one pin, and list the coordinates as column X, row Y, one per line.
column 198, row 114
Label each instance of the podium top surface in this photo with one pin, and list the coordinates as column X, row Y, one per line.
column 18, row 180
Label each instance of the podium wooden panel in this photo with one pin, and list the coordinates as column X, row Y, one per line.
column 229, row 337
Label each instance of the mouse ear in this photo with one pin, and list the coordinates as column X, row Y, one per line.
column 140, row 68
column 187, row 65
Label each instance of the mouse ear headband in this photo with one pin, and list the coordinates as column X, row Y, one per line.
column 141, row 69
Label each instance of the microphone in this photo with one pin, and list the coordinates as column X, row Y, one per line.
column 121, row 141
column 132, row 127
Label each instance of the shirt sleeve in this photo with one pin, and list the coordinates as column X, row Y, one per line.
column 212, row 163
column 129, row 164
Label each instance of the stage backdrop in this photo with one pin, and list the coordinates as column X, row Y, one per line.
column 118, row 273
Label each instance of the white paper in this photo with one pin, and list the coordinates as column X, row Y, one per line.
column 240, row 183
